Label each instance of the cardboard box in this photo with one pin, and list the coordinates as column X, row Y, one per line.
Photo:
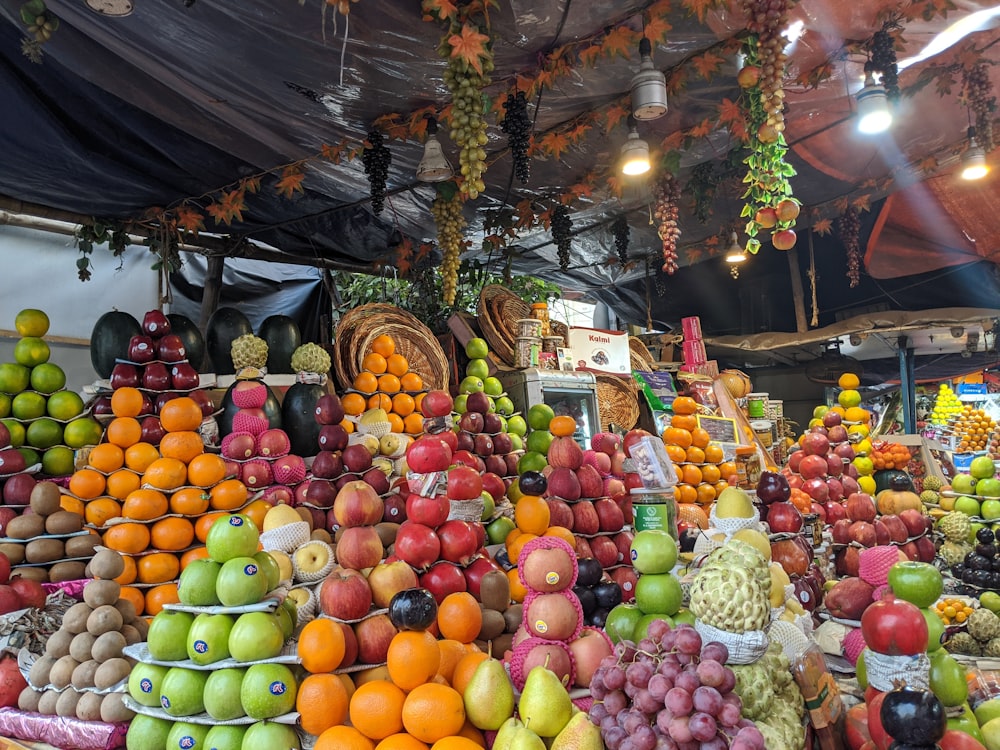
column 597, row 350
column 694, row 352
column 691, row 328
column 926, row 446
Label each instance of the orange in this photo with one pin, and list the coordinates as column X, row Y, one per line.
column 710, row 473
column 403, row 404
column 684, row 405
column 126, row 402
column 458, row 742
column 353, row 403
column 388, row 383
column 727, row 469
column 229, row 494
column 180, row 414
column 517, row 589
column 99, row 510
column 189, row 501
column 122, row 482
column 366, row 382
column 695, row 455
column 87, row 483
column 692, row 474
column 183, row 445
column 156, row 597
column 413, row 658
column 321, row 646
column 373, row 363
column 396, row 423
column 713, row 453
column 686, row 493
column 124, row 431
column 145, row 505
column 342, row 737
column 706, row 493
column 158, row 567
column 379, row 401
column 676, row 453
column 432, row 712
column 197, row 553
column 683, row 422
column 256, row 511
column 397, row 365
column 129, row 574
column 134, row 595
column 678, row 471
column 172, row 534
column 411, row 382
column 675, row 436
column 322, row 702
column 72, row 504
column 376, row 709
column 165, row 473
column 563, row 533
column 562, row 426
column 460, row 617
column 206, row 469
column 131, row 538
column 413, row 424
column 700, row 437
column 514, row 548
column 531, row 514
column 106, row 457
column 203, row 524
column 451, row 652
column 401, row 741
column 720, row 486
column 138, row 457
column 384, row 344
column 465, row 668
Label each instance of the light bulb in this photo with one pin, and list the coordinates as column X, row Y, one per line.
column 873, row 108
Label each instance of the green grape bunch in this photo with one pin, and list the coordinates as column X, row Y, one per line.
column 450, row 224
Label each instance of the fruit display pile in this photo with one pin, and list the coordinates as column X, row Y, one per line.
column 972, row 429
column 702, row 471
column 946, row 405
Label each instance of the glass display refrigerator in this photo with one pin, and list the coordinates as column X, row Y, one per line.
column 568, row 393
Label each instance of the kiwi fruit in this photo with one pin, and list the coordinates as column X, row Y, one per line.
column 306, row 516
column 14, row 552
column 83, row 546
column 97, row 593
column 67, row 571
column 321, row 535
column 64, row 522
column 66, row 704
column 502, row 643
column 75, row 619
column 82, row 646
column 132, row 635
column 512, row 616
column 108, row 646
column 28, row 699
column 47, row 703
column 34, row 574
column 26, row 527
column 111, row 672
column 58, row 643
column 493, row 625
column 89, row 707
column 142, row 625
column 107, row 564
column 46, row 498
column 103, row 619
column 61, row 673
column 113, row 709
column 83, row 675
column 38, row 675
column 494, row 591
column 387, row 532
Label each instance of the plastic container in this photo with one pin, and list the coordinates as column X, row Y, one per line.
column 529, row 328
column 821, row 696
column 764, row 430
column 551, row 343
column 757, row 405
column 747, row 467
column 540, row 311
column 654, row 510
column 528, row 349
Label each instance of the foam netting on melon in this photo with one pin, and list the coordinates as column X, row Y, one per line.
column 285, row 538
column 568, row 595
column 546, row 542
column 519, row 668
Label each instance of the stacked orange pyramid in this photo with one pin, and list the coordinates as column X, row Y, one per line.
column 387, row 382
column 702, row 472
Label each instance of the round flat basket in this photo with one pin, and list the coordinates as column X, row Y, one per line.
column 639, row 354
column 499, row 310
column 617, row 401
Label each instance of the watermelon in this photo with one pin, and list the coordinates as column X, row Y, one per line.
column 282, row 336
column 109, row 340
column 298, row 417
column 225, row 325
column 272, row 409
column 194, row 342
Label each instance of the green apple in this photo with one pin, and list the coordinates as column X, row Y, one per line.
column 658, row 593
column 489, row 507
column 990, row 600
column 935, row 629
column 222, row 694
column 919, row 583
column 653, row 551
column 232, row 536
column 987, row 711
column 197, row 583
column 144, row 683
column 187, row 734
column 492, row 386
column 820, row 411
column 966, row 722
column 270, row 567
column 991, row 733
column 516, row 444
column 470, row 384
column 478, row 368
column 621, row 622
column 861, row 671
column 227, row 737
column 269, row 735
column 181, row 691
column 498, row 529
column 268, row 690
column 167, row 636
column 208, row 638
column 963, row 484
column 460, row 401
column 988, row 487
column 256, row 636
column 982, row 467
column 967, row 505
column 517, row 426
column 241, row 581
column 147, row 732
column 989, row 509
column 684, row 616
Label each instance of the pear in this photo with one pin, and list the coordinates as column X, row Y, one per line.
column 579, row 734
column 280, row 515
column 779, row 579
column 525, row 739
column 545, row 707
column 733, row 503
column 506, row 733
column 489, row 696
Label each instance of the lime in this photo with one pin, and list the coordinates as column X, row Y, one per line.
column 64, row 405
column 16, row 430
column 28, row 405
column 82, row 431
column 967, row 505
column 517, row 426
column 531, row 461
column 31, row 322
column 4, row 405
column 31, row 456
column 489, row 507
column 47, row 378
column 31, row 351
column 539, row 441
column 516, row 444
column 477, row 348
column 477, row 368
column 58, row 461
column 460, row 400
column 990, row 600
column 982, row 467
column 539, row 416
column 849, row 398
column 504, row 406
column 497, row 531
column 492, row 386
column 44, row 433
column 820, row 410
column 14, row 378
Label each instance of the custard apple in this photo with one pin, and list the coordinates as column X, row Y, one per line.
column 730, row 599
column 932, row 482
column 955, row 527
column 954, row 552
column 963, row 643
column 983, row 625
column 248, row 351
column 755, row 686
column 930, row 496
column 738, row 554
column 311, row 358
column 992, row 648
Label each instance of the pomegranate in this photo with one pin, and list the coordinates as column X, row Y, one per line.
column 783, row 240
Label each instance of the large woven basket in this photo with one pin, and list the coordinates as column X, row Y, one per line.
column 640, row 356
column 617, row 401
column 499, row 310
column 359, row 327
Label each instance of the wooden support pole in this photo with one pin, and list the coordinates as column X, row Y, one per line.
column 212, row 291
column 798, row 295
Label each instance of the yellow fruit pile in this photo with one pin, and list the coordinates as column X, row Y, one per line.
column 702, row 472
column 946, row 405
column 972, row 428
column 386, row 382
column 952, row 611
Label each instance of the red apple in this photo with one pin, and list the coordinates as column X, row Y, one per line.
column 442, row 579
column 863, row 533
column 604, row 550
column 345, row 595
column 623, row 541
column 394, row 509
column 387, row 579
column 374, row 635
column 609, row 515
column 560, row 514
column 475, row 571
column 585, row 519
column 459, row 542
column 589, row 649
column 417, row 544
column 860, row 507
column 321, row 493
column 359, row 547
column 626, row 578
column 784, row 518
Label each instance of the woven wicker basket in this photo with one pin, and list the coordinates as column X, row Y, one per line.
column 640, row 356
column 617, row 401
column 499, row 310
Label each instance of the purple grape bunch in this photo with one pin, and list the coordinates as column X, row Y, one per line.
column 670, row 691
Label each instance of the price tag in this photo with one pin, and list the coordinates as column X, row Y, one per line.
column 720, row 429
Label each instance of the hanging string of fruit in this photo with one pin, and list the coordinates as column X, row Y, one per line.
column 376, row 159
column 562, row 228
column 978, row 94
column 41, row 24
column 883, row 60
column 517, row 125
column 848, row 230
column 768, row 195
column 450, row 224
column 666, row 210
column 621, row 232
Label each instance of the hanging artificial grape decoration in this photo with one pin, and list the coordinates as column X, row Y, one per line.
column 562, row 227
column 376, row 159
column 469, row 104
column 620, row 231
column 980, row 99
column 447, row 212
column 517, row 125
column 884, row 61
column 849, row 231
column 666, row 196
